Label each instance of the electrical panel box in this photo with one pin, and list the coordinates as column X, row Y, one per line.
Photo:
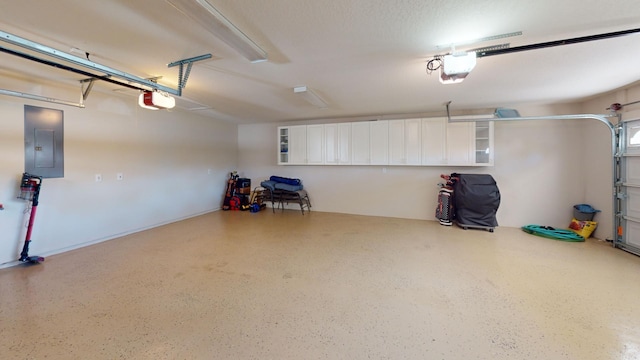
column 43, row 142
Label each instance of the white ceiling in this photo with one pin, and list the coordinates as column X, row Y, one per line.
column 364, row 57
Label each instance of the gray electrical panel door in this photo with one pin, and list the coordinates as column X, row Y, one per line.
column 630, row 191
column 43, row 142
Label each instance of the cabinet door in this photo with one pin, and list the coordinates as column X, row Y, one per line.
column 337, row 144
column 379, row 142
column 484, row 143
column 360, row 140
column 315, row 144
column 405, row 142
column 298, row 144
column 413, row 141
column 397, row 143
column 331, row 141
column 283, row 145
column 460, row 143
column 433, row 141
column 344, row 143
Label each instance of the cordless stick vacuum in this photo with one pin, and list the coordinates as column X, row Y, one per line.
column 30, row 190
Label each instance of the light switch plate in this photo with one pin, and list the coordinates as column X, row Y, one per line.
column 98, row 177
column 119, row 176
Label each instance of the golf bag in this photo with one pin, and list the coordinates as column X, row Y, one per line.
column 445, row 209
column 231, row 187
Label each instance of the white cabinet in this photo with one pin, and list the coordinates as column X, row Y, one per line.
column 344, row 144
column 293, row 145
column 460, row 143
column 360, row 143
column 397, row 154
column 427, row 142
column 297, row 144
column 337, row 141
column 470, row 143
column 315, row 144
column 370, row 143
column 283, row 145
column 434, row 132
column 484, row 143
column 457, row 143
column 331, row 144
column 413, row 141
column 405, row 142
column 379, row 142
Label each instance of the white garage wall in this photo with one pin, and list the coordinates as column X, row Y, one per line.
column 538, row 166
column 542, row 169
column 165, row 158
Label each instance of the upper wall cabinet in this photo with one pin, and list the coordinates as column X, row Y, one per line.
column 283, row 147
column 379, row 142
column 337, row 144
column 315, row 144
column 293, row 145
column 405, row 139
column 460, row 143
column 434, row 135
column 484, row 143
column 457, row 144
column 408, row 142
column 360, row 143
column 370, row 143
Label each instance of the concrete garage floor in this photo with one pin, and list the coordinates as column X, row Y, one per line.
column 237, row 285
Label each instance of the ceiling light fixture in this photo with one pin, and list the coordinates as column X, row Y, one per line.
column 221, row 27
column 155, row 100
column 310, row 97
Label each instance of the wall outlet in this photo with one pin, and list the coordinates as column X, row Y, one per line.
column 98, row 177
column 119, row 176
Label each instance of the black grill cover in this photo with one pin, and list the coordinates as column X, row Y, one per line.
column 476, row 199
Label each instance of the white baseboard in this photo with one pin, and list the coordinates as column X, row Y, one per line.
column 110, row 237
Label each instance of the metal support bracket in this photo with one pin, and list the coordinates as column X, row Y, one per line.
column 104, row 72
column 86, row 90
column 183, row 75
